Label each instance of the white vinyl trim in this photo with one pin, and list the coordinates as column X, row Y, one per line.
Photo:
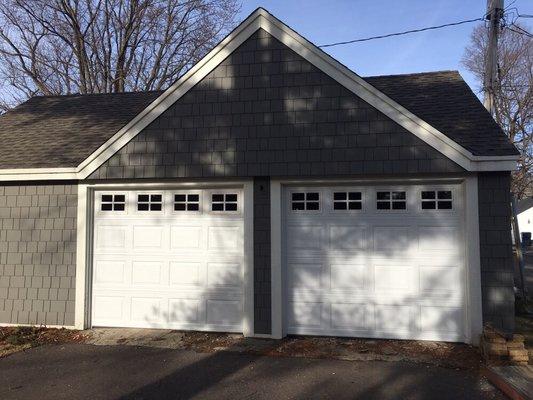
column 260, row 18
column 276, row 260
column 473, row 262
column 82, row 235
column 84, row 238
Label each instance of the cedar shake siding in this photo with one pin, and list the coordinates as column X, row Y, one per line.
column 496, row 249
column 265, row 111
column 38, row 253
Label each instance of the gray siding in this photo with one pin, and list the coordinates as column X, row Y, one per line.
column 496, row 250
column 262, row 261
column 265, row 111
column 37, row 254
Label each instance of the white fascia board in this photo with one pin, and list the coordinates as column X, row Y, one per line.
column 260, row 18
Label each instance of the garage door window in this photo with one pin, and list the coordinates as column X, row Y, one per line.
column 436, row 200
column 113, row 202
column 187, row 202
column 224, row 202
column 391, row 200
column 308, row 201
column 347, row 201
column 149, row 202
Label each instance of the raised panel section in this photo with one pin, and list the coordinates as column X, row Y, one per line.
column 185, row 237
column 348, row 276
column 437, row 237
column 147, row 237
column 305, row 276
column 108, row 308
column 391, row 238
column 184, row 310
column 223, row 312
column 393, row 277
column 224, row 274
column 183, row 273
column 146, row 310
column 226, row 238
column 440, row 279
column 108, row 272
column 394, row 318
column 305, row 314
column 307, row 237
column 441, row 319
column 111, row 237
column 351, row 316
column 346, row 238
column 146, row 272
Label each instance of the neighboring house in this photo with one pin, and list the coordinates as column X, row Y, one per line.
column 524, row 211
column 269, row 191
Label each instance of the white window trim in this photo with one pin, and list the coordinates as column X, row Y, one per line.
column 85, row 223
column 261, row 18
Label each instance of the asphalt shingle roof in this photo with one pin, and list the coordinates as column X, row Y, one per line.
column 446, row 102
column 61, row 131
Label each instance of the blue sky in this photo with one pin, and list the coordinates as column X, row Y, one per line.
column 327, row 21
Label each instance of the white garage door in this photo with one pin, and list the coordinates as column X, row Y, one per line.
column 371, row 261
column 168, row 259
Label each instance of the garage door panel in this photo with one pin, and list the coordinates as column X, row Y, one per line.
column 185, row 311
column 186, row 238
column 305, row 314
column 349, row 276
column 165, row 269
column 111, row 237
column 147, row 273
column 109, row 272
column 184, row 273
column 375, row 273
column 353, row 316
column 346, row 238
column 224, row 275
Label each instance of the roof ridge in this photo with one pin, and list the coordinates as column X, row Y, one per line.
column 96, row 94
column 444, row 71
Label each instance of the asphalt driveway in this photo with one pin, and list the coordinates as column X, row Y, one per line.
column 77, row 371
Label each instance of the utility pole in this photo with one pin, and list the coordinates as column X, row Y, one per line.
column 494, row 15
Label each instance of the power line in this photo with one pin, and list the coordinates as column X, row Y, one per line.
column 521, row 31
column 403, row 33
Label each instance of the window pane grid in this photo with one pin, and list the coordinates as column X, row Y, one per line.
column 347, row 201
column 391, row 200
column 224, row 202
column 436, row 200
column 113, row 202
column 187, row 202
column 309, row 201
column 149, row 202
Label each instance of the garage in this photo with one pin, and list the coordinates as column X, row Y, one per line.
column 168, row 259
column 375, row 261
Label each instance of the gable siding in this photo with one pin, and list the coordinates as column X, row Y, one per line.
column 496, row 249
column 265, row 111
column 38, row 254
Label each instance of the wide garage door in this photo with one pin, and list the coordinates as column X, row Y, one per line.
column 168, row 259
column 375, row 261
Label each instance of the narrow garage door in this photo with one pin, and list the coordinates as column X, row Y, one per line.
column 371, row 261
column 168, row 259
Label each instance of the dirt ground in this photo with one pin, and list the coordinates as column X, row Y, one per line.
column 15, row 339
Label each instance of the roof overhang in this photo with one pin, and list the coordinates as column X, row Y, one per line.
column 260, row 18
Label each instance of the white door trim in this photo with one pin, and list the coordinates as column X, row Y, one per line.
column 473, row 314
column 84, row 243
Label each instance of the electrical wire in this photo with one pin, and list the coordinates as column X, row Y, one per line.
column 403, row 33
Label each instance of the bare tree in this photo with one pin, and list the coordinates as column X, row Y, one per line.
column 98, row 46
column 514, row 95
